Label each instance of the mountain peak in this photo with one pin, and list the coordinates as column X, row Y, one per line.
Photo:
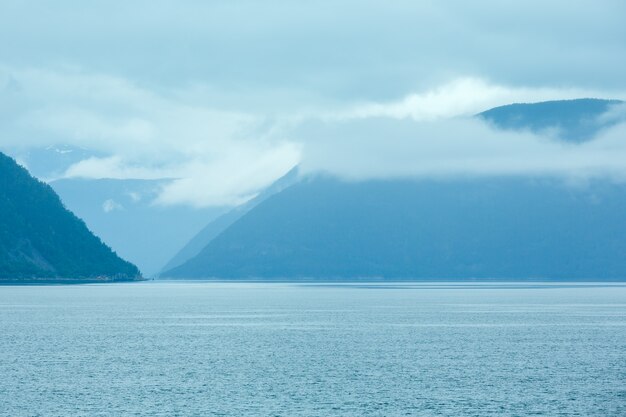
column 576, row 120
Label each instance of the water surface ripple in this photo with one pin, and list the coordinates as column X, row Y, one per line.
column 252, row 349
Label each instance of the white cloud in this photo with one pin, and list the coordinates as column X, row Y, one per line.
column 233, row 179
column 111, row 205
column 111, row 167
column 616, row 113
column 135, row 197
column 388, row 148
column 466, row 96
column 218, row 157
column 433, row 134
column 224, row 157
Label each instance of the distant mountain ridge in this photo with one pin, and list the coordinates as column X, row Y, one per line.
column 217, row 226
column 121, row 212
column 576, row 120
column 497, row 228
column 41, row 241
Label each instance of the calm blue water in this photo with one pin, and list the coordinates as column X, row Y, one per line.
column 208, row 349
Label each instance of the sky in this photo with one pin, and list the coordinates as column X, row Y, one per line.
column 226, row 96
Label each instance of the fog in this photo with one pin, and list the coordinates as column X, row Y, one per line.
column 225, row 97
column 376, row 148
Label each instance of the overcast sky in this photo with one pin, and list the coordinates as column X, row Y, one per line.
column 220, row 93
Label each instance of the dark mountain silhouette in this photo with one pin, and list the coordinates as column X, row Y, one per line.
column 40, row 240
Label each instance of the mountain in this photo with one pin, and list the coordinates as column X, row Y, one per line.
column 217, row 226
column 41, row 241
column 51, row 161
column 501, row 228
column 489, row 228
column 569, row 120
column 122, row 212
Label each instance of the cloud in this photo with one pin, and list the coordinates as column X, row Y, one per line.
column 231, row 180
column 333, row 50
column 145, row 135
column 383, row 148
column 226, row 96
column 615, row 114
column 111, row 167
column 465, row 96
column 134, row 197
column 111, row 205
column 217, row 156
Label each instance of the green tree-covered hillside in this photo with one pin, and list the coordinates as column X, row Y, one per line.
column 41, row 240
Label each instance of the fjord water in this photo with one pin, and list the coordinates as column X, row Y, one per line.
column 218, row 349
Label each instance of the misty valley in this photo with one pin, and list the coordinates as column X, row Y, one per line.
column 312, row 209
column 472, row 266
column 317, row 226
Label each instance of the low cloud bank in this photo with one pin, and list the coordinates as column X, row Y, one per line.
column 214, row 157
column 220, row 157
column 464, row 96
column 383, row 148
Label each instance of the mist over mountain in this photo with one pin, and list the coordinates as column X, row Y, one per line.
column 50, row 162
column 570, row 120
column 504, row 229
column 122, row 212
column 40, row 240
column 217, row 226
column 490, row 227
